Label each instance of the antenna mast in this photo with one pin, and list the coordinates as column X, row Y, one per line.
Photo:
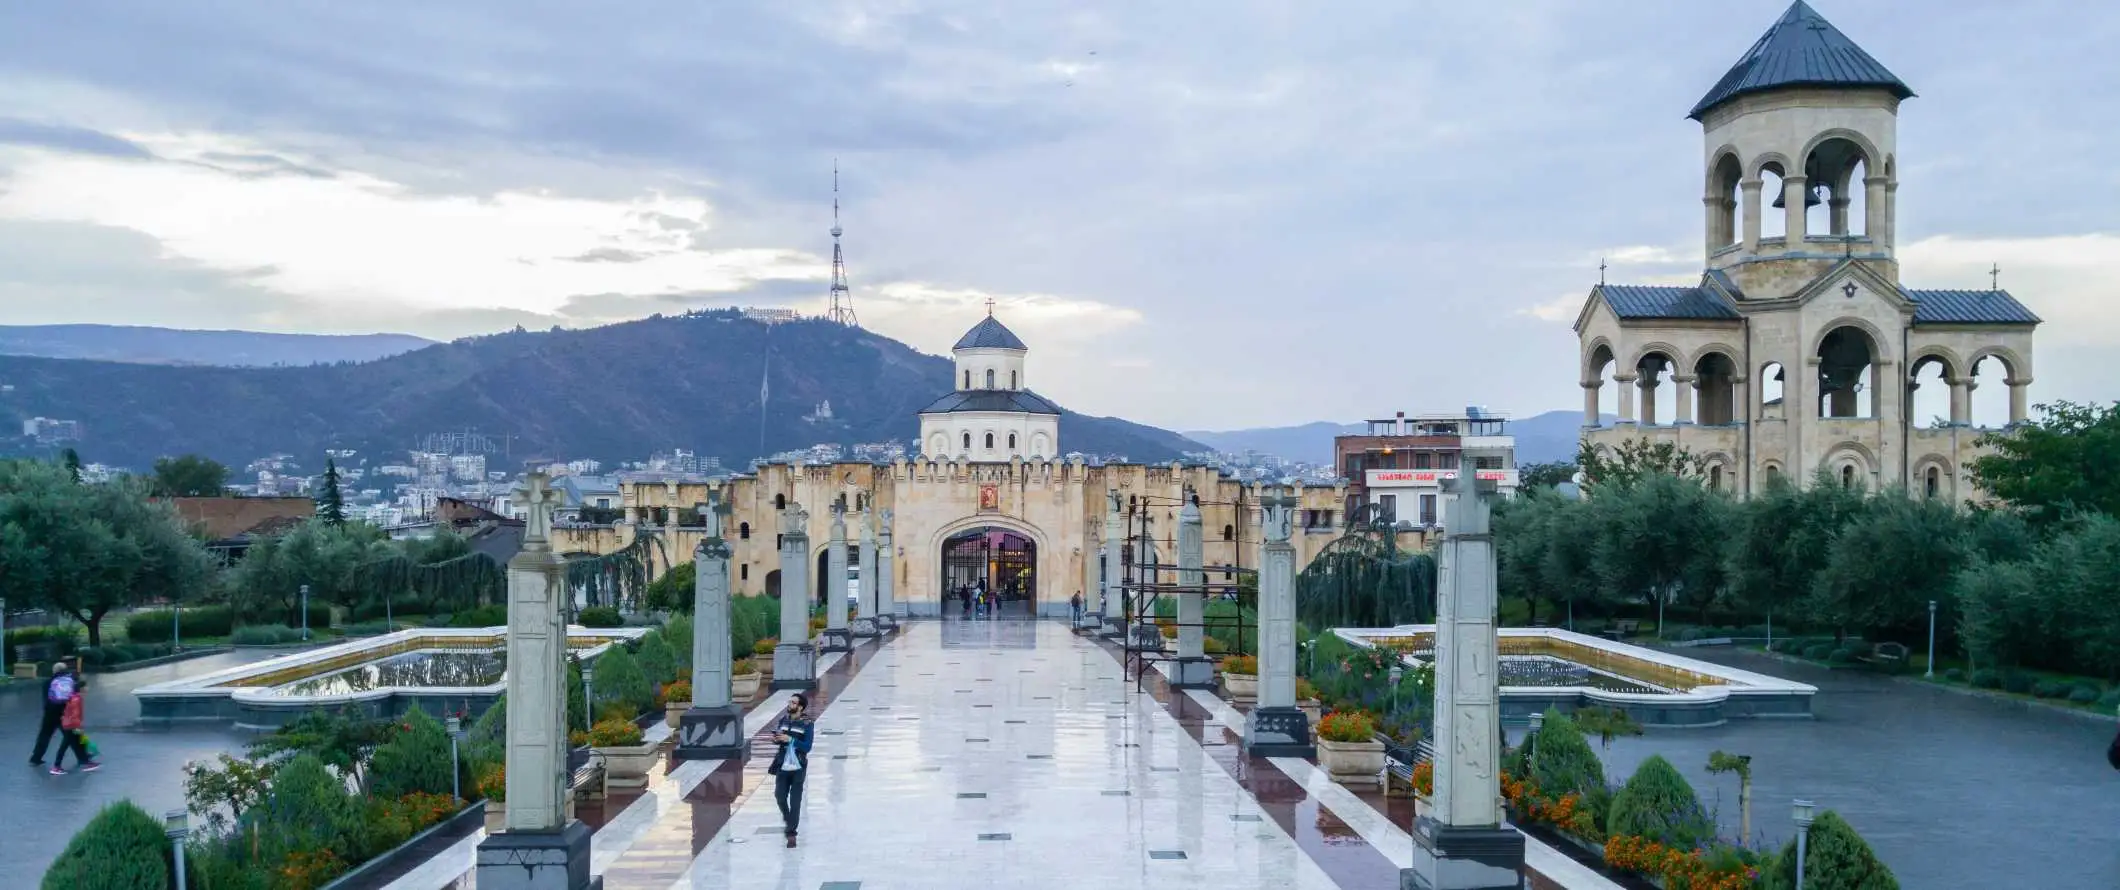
column 842, row 310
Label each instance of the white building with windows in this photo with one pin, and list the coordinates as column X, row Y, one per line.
column 991, row 415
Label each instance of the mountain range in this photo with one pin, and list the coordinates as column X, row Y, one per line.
column 612, row 393
column 169, row 346
column 1549, row 437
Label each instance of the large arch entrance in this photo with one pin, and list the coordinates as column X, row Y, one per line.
column 1001, row 563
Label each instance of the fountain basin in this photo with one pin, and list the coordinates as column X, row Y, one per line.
column 440, row 670
column 1544, row 667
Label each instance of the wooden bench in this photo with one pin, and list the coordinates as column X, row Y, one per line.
column 1398, row 774
column 586, row 781
column 1888, row 655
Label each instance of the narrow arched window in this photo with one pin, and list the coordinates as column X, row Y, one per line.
column 1012, row 441
column 1011, row 380
column 989, row 439
column 743, row 572
column 1715, row 476
column 743, row 531
column 1847, row 476
column 1229, row 533
column 967, row 441
column 1934, row 482
column 989, row 378
column 967, row 378
column 780, row 502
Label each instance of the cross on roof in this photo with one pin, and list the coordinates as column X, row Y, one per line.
column 990, row 307
column 1995, row 277
column 1601, row 271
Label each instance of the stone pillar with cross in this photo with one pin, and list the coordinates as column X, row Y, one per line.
column 1114, row 597
column 890, row 610
column 836, row 638
column 795, row 658
column 1276, row 727
column 1462, row 844
column 1192, row 669
column 543, row 845
column 865, row 624
column 713, row 726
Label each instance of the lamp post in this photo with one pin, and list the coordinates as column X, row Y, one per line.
column 176, row 626
column 1932, row 641
column 1538, row 721
column 305, row 613
column 455, row 725
column 588, row 699
column 1803, row 831
column 178, row 827
column 1396, row 673
column 1310, row 665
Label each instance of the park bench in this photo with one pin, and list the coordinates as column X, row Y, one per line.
column 1892, row 656
column 1399, row 763
column 586, row 780
column 1622, row 629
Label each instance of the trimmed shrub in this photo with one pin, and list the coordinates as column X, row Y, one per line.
column 2111, row 698
column 600, row 616
column 121, row 653
column 307, row 809
column 678, row 631
column 267, row 635
column 416, row 758
column 1241, row 665
column 2049, row 689
column 122, row 848
column 1657, row 804
column 764, row 648
column 1565, row 762
column 2084, row 694
column 1954, row 675
column 1835, row 858
column 656, row 659
column 376, row 610
column 1818, row 651
column 1212, row 646
column 1691, row 635
column 481, row 616
column 1842, row 655
column 618, row 679
column 577, row 705
column 1987, row 678
column 614, row 734
column 204, row 621
column 2017, row 682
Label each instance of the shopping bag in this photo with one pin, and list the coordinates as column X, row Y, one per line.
column 89, row 745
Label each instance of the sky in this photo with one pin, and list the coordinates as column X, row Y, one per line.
column 1202, row 216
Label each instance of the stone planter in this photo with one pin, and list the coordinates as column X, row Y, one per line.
column 744, row 687
column 628, row 767
column 1312, row 710
column 496, row 816
column 675, row 711
column 1241, row 687
column 1353, row 763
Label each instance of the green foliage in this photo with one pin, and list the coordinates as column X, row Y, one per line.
column 678, row 630
column 1724, row 762
column 752, row 618
column 331, row 499
column 2056, row 465
column 1881, row 569
column 1634, row 460
column 1660, row 537
column 673, row 592
column 341, row 740
column 306, row 808
column 620, row 680
column 1606, row 723
column 85, row 550
column 1835, row 858
column 224, row 790
column 1361, row 579
column 481, row 616
column 2051, row 611
column 1562, row 759
column 334, row 560
column 1656, row 803
column 114, row 654
column 266, row 635
column 600, row 616
column 189, row 476
column 1237, row 626
column 202, row 621
column 2083, row 694
column 657, row 661
column 2017, row 682
column 122, row 848
column 577, row 702
column 415, row 758
column 1778, row 536
column 1532, row 477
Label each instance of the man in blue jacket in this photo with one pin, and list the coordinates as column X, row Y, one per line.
column 792, row 762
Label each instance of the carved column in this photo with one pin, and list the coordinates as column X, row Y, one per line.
column 1750, row 188
column 1961, row 400
column 865, row 625
column 836, row 638
column 795, row 659
column 2020, row 395
column 1462, row 843
column 713, row 726
column 1114, row 597
column 1590, row 392
column 1191, row 670
column 1793, row 191
column 1626, row 397
column 1687, row 390
column 1276, row 727
column 889, row 609
column 543, row 845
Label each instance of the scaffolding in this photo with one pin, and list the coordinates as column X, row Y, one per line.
column 1145, row 580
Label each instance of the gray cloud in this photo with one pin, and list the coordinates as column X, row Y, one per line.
column 15, row 131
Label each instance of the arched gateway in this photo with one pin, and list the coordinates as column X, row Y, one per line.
column 998, row 562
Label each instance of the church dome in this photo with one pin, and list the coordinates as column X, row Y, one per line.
column 990, row 333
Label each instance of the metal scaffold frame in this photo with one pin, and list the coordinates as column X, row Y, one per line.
column 1143, row 582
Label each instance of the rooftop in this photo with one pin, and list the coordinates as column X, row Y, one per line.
column 1800, row 49
column 990, row 333
column 1015, row 400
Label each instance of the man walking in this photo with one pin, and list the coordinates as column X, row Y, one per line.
column 58, row 691
column 1074, row 609
column 792, row 762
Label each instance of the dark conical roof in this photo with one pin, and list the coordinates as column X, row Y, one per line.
column 990, row 333
column 1801, row 49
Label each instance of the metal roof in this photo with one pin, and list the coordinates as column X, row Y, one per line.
column 1967, row 307
column 1800, row 49
column 990, row 333
column 992, row 400
column 1646, row 301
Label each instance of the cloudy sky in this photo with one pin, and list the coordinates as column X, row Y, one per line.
column 1198, row 215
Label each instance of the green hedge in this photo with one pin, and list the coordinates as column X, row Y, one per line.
column 116, row 654
column 1656, row 803
column 416, row 758
column 202, row 621
column 657, row 661
column 481, row 616
column 752, row 618
column 600, row 616
column 678, row 630
column 68, row 638
column 122, row 848
column 619, row 679
column 1835, row 858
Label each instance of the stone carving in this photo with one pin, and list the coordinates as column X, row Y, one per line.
column 537, row 498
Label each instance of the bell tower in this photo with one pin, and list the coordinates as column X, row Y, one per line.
column 1800, row 140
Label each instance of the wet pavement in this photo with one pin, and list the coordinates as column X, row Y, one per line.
column 1951, row 790
column 144, row 764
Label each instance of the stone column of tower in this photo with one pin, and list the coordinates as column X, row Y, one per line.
column 713, row 726
column 1114, row 598
column 1276, row 727
column 1462, row 843
column 865, row 625
column 836, row 638
column 795, row 659
column 1191, row 670
column 543, row 845
column 891, row 609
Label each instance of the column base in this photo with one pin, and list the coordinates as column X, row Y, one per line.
column 887, row 623
column 1114, row 627
column 794, row 666
column 711, row 734
column 835, row 639
column 1089, row 623
column 1278, row 732
column 864, row 628
column 1452, row 858
column 543, row 860
column 1194, row 672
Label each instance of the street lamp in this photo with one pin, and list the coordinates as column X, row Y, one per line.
column 1803, row 831
column 177, row 827
column 305, row 613
column 455, row 726
column 1396, row 672
column 588, row 699
column 1932, row 641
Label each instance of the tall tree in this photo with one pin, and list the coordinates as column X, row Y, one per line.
column 1633, row 459
column 1659, row 539
column 2060, row 463
column 331, row 500
column 331, row 559
column 72, row 460
column 1532, row 477
column 1781, row 538
column 1883, row 567
column 189, row 476
column 85, row 550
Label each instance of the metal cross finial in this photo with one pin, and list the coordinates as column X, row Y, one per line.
column 1995, row 277
column 1601, row 271
column 990, row 307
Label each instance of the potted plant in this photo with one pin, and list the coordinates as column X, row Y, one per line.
column 1348, row 749
column 762, row 655
column 1240, row 677
column 493, row 786
column 744, row 679
column 1307, row 700
column 626, row 756
column 677, row 699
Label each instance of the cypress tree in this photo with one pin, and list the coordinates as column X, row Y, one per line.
column 331, row 502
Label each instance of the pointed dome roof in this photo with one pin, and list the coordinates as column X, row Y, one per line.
column 990, row 333
column 1800, row 49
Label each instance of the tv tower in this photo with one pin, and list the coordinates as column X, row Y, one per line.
column 842, row 310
